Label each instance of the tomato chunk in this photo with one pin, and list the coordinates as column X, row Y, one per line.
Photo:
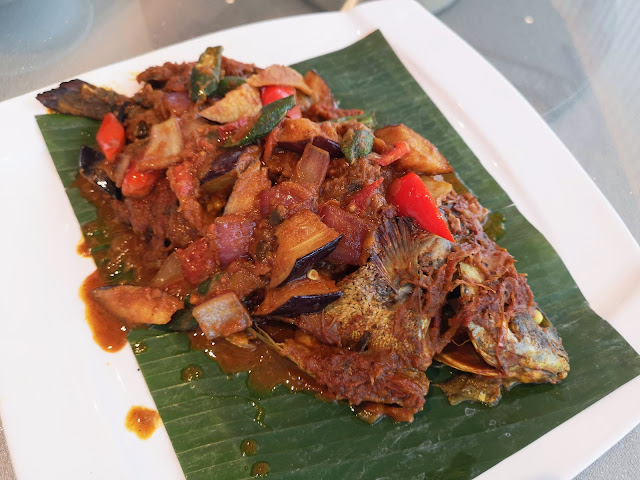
column 272, row 93
column 139, row 183
column 110, row 137
column 198, row 261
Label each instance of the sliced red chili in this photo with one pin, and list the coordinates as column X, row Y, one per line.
column 361, row 200
column 412, row 198
column 399, row 150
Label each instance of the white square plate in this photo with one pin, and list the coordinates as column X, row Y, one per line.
column 63, row 400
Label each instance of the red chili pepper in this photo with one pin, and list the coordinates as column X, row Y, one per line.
column 138, row 183
column 110, row 137
column 361, row 199
column 272, row 93
column 399, row 150
column 413, row 200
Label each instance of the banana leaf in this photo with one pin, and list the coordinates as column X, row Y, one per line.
column 299, row 436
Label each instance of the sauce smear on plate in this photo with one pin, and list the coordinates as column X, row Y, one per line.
column 108, row 332
column 142, row 421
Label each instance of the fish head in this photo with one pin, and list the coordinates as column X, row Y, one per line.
column 494, row 313
column 478, row 309
column 522, row 349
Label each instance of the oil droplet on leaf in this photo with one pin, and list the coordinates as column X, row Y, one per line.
column 191, row 373
column 139, row 347
column 494, row 226
column 249, row 447
column 142, row 421
column 259, row 469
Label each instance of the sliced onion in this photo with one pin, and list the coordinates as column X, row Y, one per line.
column 170, row 271
column 165, row 144
column 248, row 187
column 312, row 167
column 222, row 315
column 357, row 234
column 233, row 234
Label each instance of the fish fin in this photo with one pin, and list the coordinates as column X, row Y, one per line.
column 396, row 249
column 260, row 334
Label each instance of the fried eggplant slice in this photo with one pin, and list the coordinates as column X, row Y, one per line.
column 80, row 98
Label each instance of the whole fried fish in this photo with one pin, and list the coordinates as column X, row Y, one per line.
column 421, row 296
